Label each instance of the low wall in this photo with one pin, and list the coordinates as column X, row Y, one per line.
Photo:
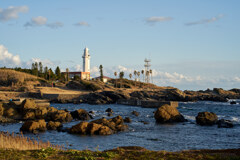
column 146, row 103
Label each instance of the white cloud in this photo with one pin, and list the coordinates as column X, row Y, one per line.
column 154, row 20
column 82, row 24
column 12, row 12
column 42, row 21
column 237, row 79
column 8, row 59
column 55, row 25
column 206, row 21
column 36, row 21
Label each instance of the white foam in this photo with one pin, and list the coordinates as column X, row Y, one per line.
column 235, row 119
column 189, row 117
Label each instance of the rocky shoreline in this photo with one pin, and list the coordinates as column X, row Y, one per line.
column 111, row 97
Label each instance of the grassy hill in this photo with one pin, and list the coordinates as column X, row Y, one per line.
column 11, row 78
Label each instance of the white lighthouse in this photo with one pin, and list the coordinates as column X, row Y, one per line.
column 86, row 60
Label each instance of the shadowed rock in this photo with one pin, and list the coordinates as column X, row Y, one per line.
column 206, row 118
column 80, row 114
column 222, row 123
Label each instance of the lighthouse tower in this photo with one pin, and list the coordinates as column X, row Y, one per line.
column 86, row 60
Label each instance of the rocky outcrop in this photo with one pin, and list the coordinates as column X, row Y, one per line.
column 168, row 114
column 135, row 113
column 80, row 114
column 109, row 110
column 222, row 123
column 127, row 120
column 61, row 116
column 99, row 126
column 54, row 125
column 206, row 118
column 34, row 126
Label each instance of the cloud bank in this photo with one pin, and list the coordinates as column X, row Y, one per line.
column 12, row 12
column 205, row 21
column 154, row 20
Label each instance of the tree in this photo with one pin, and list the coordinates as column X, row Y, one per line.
column 130, row 75
column 36, row 68
column 143, row 74
column 135, row 74
column 101, row 72
column 67, row 70
column 121, row 75
column 150, row 71
column 115, row 74
column 46, row 72
column 51, row 74
column 40, row 67
column 58, row 72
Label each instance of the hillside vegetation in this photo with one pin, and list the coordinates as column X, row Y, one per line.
column 18, row 81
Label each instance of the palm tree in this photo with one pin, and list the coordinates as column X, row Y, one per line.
column 67, row 70
column 150, row 71
column 135, row 74
column 130, row 76
column 115, row 74
column 121, row 75
column 143, row 74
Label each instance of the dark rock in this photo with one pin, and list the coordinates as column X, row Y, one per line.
column 61, row 116
column 135, row 113
column 54, row 125
column 127, row 120
column 109, row 110
column 34, row 126
column 79, row 128
column 222, row 123
column 91, row 112
column 80, row 114
column 109, row 114
column 233, row 102
column 206, row 118
column 144, row 122
column 168, row 114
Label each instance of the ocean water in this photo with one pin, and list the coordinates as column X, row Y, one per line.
column 170, row 137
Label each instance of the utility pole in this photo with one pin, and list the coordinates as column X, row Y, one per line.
column 147, row 66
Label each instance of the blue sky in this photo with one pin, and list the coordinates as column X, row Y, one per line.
column 192, row 44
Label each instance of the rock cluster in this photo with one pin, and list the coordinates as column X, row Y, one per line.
column 100, row 126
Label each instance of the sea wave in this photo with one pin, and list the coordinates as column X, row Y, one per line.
column 192, row 118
